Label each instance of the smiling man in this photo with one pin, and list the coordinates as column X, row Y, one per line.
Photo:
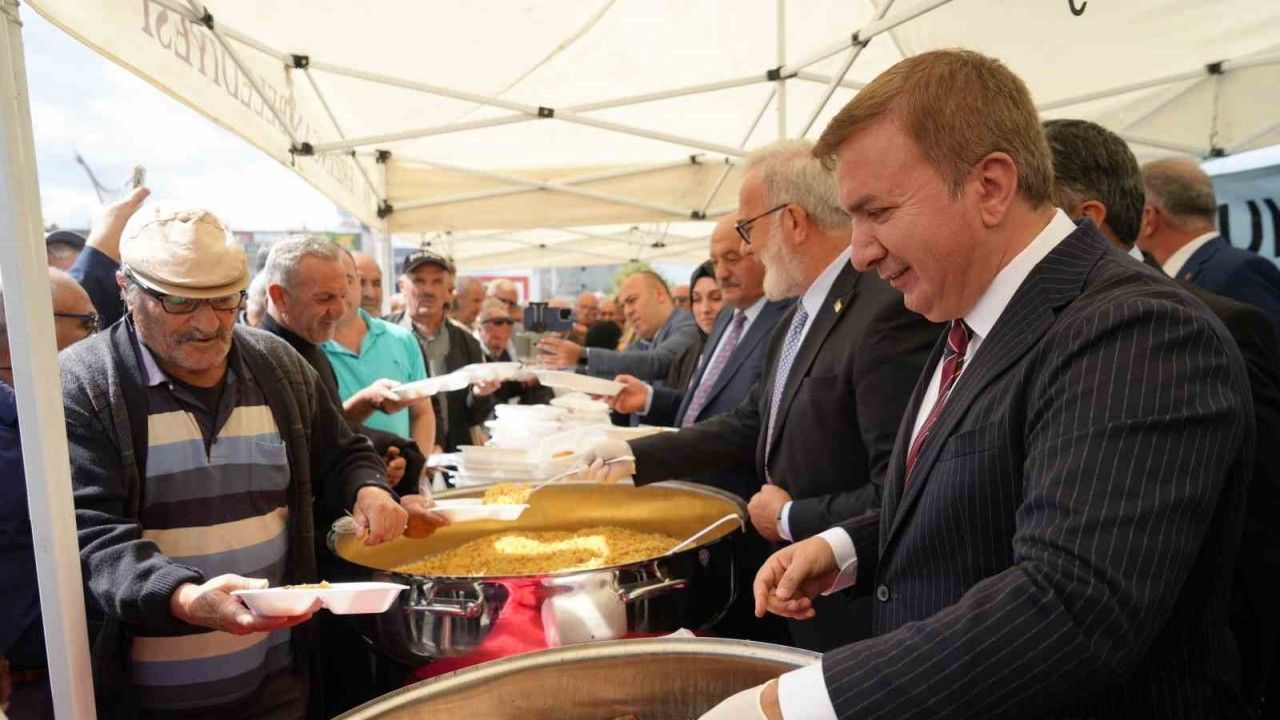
column 1062, row 506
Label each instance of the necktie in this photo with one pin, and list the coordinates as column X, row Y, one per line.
column 790, row 345
column 712, row 374
column 953, row 357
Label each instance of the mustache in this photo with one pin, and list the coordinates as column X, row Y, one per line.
column 196, row 335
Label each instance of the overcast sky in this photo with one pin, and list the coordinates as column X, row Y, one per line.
column 82, row 102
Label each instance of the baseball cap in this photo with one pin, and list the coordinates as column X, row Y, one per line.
column 187, row 252
column 423, row 257
column 65, row 237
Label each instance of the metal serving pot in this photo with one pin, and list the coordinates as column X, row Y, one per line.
column 653, row 679
column 488, row 616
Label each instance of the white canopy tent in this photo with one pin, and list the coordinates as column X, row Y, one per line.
column 537, row 134
column 489, row 118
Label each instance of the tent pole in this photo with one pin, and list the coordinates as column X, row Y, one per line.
column 29, row 316
column 1196, row 74
column 781, row 82
column 1162, row 145
column 324, row 103
column 839, row 77
column 824, row 79
column 1244, row 144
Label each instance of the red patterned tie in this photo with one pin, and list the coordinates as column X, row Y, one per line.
column 953, row 356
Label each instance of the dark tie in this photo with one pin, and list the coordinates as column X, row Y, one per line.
column 953, row 356
column 716, row 367
column 790, row 346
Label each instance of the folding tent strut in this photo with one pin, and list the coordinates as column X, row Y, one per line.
column 746, row 137
column 863, row 34
column 781, row 88
column 29, row 316
column 824, row 79
column 302, row 61
column 835, row 81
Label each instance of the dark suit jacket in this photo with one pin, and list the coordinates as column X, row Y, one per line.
column 1235, row 273
column 1065, row 545
column 848, row 386
column 740, row 374
column 1255, row 605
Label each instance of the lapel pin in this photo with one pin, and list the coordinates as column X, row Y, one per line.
column 839, row 305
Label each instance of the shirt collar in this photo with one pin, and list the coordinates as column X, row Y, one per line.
column 816, row 295
column 982, row 318
column 1136, row 254
column 374, row 328
column 1179, row 258
column 753, row 311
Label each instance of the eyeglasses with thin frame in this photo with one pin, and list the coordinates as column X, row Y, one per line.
column 178, row 305
column 87, row 321
column 744, row 226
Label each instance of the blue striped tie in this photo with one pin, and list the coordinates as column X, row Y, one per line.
column 789, row 348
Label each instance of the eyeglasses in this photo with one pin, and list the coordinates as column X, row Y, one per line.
column 498, row 321
column 178, row 305
column 744, row 226
column 87, row 321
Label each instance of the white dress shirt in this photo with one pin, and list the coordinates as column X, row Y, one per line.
column 812, row 301
column 803, row 693
column 1174, row 264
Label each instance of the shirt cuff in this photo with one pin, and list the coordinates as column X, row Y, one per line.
column 802, row 694
column 648, row 399
column 784, row 522
column 846, row 558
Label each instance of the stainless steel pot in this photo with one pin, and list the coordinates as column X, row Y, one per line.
column 654, row 679
column 452, row 616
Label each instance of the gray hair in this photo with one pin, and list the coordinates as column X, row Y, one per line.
column 288, row 254
column 1181, row 189
column 501, row 284
column 257, row 296
column 791, row 174
column 493, row 305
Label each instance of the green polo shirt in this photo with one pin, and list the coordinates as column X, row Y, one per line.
column 387, row 351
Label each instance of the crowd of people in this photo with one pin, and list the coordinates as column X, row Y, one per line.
column 1001, row 403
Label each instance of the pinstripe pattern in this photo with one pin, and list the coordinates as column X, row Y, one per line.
column 1065, row 546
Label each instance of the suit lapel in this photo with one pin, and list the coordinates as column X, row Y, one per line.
column 838, row 301
column 1053, row 283
column 760, row 329
column 898, row 460
column 1202, row 255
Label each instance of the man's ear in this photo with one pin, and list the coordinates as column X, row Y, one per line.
column 1095, row 211
column 276, row 293
column 996, row 176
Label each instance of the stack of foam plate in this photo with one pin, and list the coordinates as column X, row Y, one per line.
column 524, row 427
column 581, row 411
column 481, row 465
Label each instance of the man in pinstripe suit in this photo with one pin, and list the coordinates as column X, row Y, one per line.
column 1063, row 505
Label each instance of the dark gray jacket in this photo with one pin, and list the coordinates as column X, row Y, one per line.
column 128, row 580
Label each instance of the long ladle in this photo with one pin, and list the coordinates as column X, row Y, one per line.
column 578, row 469
column 707, row 529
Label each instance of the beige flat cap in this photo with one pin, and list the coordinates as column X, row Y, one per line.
column 186, row 252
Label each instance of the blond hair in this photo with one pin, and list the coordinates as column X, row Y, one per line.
column 792, row 174
column 958, row 106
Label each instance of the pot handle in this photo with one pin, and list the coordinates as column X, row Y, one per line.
column 649, row 588
column 468, row 608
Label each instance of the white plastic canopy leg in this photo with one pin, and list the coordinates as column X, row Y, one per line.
column 29, row 315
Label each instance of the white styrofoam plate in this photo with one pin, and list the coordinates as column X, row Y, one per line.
column 469, row 509
column 581, row 383
column 353, row 598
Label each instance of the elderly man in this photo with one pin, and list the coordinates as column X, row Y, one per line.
column 608, row 311
column 680, row 296
column 255, row 302
column 367, row 352
column 818, row 428
column 197, row 449
column 494, row 334
column 468, row 294
column 370, row 283
column 306, row 298
column 505, row 290
column 585, row 310
column 425, row 282
column 1179, row 230
column 21, row 634
column 648, row 306
column 1096, row 176
column 1063, row 504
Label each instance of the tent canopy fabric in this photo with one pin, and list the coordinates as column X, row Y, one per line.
column 483, row 119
